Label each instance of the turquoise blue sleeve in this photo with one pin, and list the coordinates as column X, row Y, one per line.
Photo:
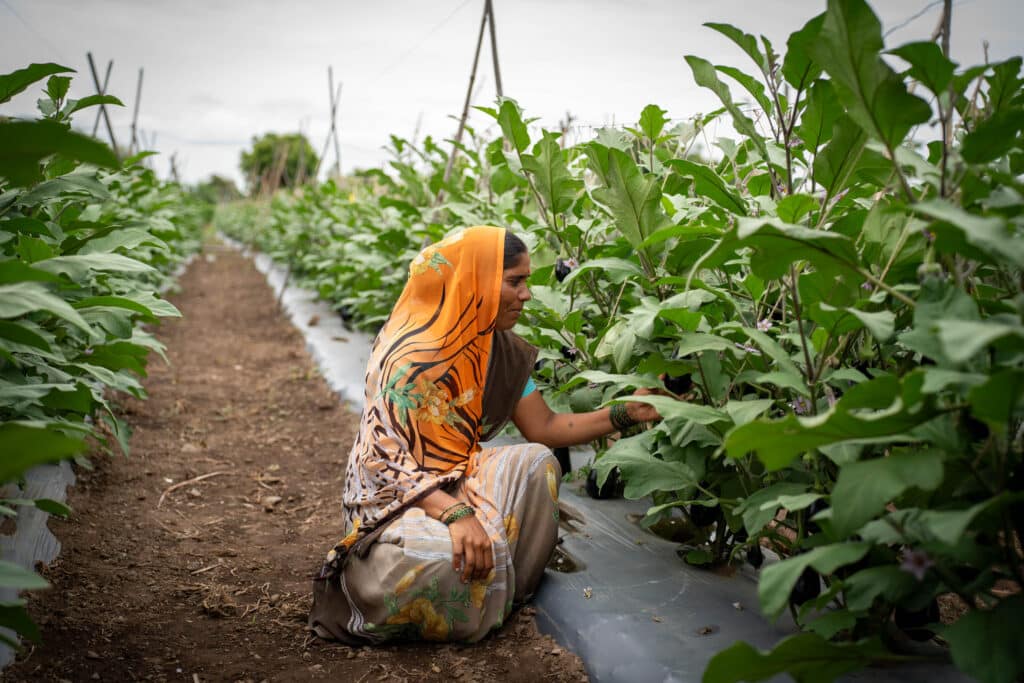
column 529, row 388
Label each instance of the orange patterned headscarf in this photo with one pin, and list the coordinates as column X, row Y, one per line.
column 425, row 381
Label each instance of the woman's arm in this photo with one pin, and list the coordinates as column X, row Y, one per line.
column 537, row 422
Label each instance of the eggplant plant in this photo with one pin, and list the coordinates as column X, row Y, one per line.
column 87, row 242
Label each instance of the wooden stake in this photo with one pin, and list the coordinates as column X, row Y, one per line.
column 106, row 80
column 335, row 99
column 103, row 108
column 947, row 122
column 494, row 48
column 133, row 147
column 465, row 105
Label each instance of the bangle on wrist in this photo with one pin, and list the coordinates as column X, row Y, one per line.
column 464, row 511
column 454, row 506
column 620, row 418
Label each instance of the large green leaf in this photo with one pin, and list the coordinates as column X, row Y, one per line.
column 510, row 118
column 146, row 304
column 705, row 75
column 642, row 472
column 26, row 297
column 15, row 82
column 797, row 67
column 990, row 234
column 610, row 269
column 916, row 526
column 777, row 245
column 985, row 644
column 750, row 84
column 91, row 101
column 963, row 339
column 807, row 657
column 632, row 198
column 881, row 324
column 120, row 238
column 888, row 581
column 767, row 344
column 759, row 508
column 26, row 444
column 821, row 111
column 777, row 580
column 652, row 121
column 994, row 137
column 14, row 271
column 998, row 399
column 674, row 409
column 848, row 47
column 14, row 616
column 864, row 488
column 26, row 143
column 17, row 577
column 551, row 176
column 747, row 42
column 834, row 166
column 928, row 65
column 709, row 184
column 877, row 409
column 80, row 266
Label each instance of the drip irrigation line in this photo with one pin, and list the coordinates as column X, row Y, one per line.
column 920, row 13
column 420, row 42
column 42, row 38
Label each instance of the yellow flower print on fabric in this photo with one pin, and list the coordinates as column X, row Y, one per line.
column 478, row 590
column 422, row 613
column 434, row 404
column 511, row 529
column 406, row 581
column 552, row 482
column 429, row 258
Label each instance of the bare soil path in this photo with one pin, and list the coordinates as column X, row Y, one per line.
column 210, row 580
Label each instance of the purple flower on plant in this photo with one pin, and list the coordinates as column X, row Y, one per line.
column 749, row 348
column 867, row 286
column 800, row 405
column 764, row 324
column 916, row 562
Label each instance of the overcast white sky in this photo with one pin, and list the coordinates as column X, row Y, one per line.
column 218, row 72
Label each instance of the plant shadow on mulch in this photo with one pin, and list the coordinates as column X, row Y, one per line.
column 191, row 558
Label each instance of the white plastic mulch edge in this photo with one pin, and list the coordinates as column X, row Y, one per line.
column 340, row 354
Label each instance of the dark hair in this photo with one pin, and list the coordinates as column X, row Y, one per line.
column 513, row 248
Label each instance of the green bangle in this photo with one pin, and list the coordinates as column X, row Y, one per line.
column 459, row 514
column 620, row 418
column 453, row 506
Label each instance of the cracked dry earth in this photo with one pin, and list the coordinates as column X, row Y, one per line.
column 190, row 560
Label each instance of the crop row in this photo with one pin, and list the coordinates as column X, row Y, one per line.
column 87, row 243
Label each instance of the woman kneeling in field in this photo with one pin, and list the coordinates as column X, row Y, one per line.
column 443, row 536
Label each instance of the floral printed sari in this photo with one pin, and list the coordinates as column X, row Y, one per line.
column 425, row 414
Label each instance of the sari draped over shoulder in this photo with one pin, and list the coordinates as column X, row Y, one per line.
column 440, row 379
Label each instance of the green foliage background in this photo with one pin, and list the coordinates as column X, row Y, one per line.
column 284, row 160
column 87, row 242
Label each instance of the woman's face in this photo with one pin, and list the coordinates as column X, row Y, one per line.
column 514, row 293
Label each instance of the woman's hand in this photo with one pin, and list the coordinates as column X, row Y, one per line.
column 643, row 412
column 472, row 554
